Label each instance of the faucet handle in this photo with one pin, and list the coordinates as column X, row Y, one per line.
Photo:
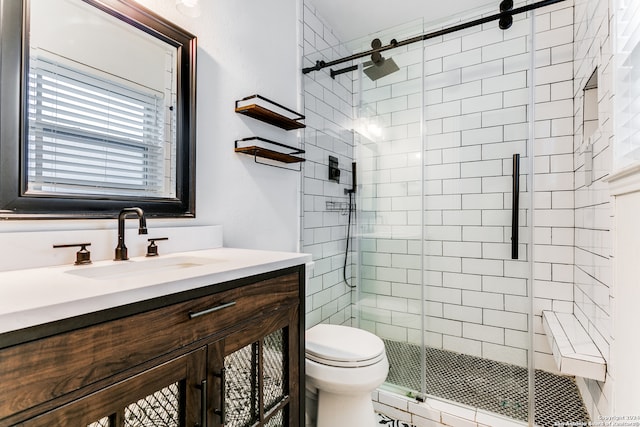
column 152, row 249
column 83, row 256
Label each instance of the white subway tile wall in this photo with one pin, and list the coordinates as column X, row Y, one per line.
column 328, row 107
column 592, row 272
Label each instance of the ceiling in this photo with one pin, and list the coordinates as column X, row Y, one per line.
column 353, row 19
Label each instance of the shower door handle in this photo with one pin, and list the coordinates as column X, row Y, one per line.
column 515, row 206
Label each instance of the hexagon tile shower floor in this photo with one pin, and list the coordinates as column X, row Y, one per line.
column 497, row 387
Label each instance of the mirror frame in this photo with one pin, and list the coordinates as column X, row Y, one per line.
column 14, row 57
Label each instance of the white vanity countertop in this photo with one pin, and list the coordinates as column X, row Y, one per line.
column 38, row 296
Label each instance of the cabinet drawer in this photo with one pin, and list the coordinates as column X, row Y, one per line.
column 38, row 371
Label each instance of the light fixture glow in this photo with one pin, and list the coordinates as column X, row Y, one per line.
column 190, row 8
column 370, row 128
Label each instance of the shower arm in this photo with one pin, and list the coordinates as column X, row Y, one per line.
column 394, row 44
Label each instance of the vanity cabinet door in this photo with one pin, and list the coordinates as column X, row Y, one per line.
column 254, row 373
column 167, row 395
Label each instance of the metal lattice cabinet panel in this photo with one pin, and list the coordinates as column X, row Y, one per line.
column 274, row 369
column 241, row 387
column 256, row 378
column 277, row 420
column 161, row 408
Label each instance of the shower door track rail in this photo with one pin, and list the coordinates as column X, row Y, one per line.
column 394, row 44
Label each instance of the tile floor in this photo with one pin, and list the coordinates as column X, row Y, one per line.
column 491, row 387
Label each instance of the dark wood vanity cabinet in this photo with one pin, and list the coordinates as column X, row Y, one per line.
column 226, row 354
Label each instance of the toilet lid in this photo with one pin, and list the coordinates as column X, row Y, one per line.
column 338, row 345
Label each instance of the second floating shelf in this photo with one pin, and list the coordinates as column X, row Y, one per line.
column 267, row 153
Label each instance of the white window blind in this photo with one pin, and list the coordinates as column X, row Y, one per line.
column 627, row 147
column 92, row 135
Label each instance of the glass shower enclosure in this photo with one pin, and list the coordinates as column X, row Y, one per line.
column 440, row 255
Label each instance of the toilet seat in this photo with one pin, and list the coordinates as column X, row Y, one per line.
column 343, row 346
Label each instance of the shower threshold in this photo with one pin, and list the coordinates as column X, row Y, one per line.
column 485, row 384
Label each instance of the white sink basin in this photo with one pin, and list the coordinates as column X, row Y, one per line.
column 126, row 269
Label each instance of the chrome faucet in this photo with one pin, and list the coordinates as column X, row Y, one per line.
column 121, row 249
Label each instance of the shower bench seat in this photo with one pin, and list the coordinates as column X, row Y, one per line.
column 574, row 351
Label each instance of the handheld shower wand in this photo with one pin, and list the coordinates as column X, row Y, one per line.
column 351, row 192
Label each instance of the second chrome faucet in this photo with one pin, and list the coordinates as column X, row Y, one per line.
column 121, row 249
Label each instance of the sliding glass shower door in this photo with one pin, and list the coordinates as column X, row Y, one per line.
column 389, row 151
column 442, row 146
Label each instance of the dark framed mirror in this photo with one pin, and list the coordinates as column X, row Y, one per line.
column 97, row 110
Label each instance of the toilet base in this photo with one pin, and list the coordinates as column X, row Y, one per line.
column 311, row 407
column 345, row 410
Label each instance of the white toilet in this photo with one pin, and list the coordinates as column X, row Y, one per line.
column 344, row 365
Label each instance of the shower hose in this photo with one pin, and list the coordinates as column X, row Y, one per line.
column 346, row 251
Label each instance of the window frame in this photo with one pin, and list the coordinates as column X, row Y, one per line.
column 14, row 66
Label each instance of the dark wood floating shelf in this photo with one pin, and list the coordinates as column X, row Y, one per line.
column 267, row 115
column 267, row 153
